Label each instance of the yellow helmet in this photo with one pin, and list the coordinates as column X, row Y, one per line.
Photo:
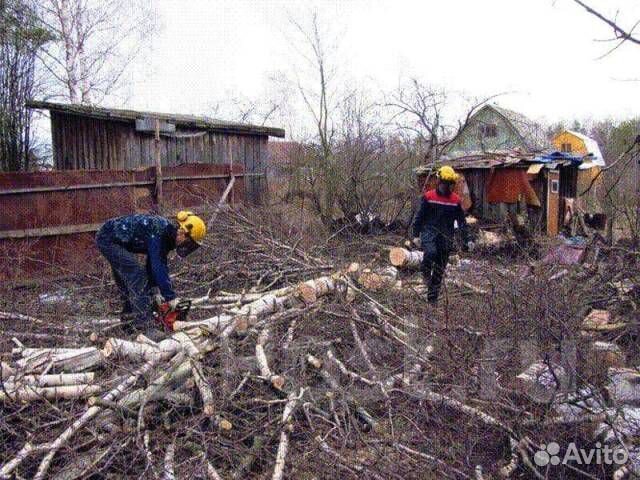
column 192, row 225
column 447, row 174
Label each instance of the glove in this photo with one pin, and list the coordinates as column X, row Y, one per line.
column 158, row 299
column 416, row 242
column 470, row 247
column 173, row 304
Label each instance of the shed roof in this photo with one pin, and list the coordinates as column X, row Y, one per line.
column 480, row 161
column 193, row 121
column 592, row 147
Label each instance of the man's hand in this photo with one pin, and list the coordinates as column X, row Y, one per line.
column 469, row 247
column 416, row 242
column 158, row 299
column 173, row 304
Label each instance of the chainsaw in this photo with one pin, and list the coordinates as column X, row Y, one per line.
column 168, row 317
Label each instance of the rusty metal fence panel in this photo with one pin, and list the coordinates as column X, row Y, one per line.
column 48, row 219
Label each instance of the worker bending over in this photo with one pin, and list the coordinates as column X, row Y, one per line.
column 434, row 225
column 119, row 239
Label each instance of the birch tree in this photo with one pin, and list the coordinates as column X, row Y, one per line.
column 97, row 40
column 21, row 36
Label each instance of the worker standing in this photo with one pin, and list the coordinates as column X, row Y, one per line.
column 434, row 228
column 119, row 239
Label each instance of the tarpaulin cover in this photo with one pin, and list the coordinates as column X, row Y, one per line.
column 558, row 156
column 509, row 186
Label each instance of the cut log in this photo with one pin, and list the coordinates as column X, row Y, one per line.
column 204, row 388
column 542, row 383
column 403, row 258
column 283, row 445
column 74, row 360
column 276, row 381
column 310, row 290
column 375, row 280
column 169, row 472
column 51, row 380
column 29, row 352
column 32, row 393
column 133, row 351
column 608, row 354
column 600, row 321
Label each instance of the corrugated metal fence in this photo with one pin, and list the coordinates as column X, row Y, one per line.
column 48, row 219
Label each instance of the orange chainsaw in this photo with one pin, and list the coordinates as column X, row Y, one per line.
column 168, row 317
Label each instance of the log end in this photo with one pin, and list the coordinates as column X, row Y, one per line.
column 242, row 323
column 277, row 381
column 398, row 257
column 353, row 268
column 316, row 362
column 224, row 424
column 210, row 410
column 109, row 349
column 371, row 281
column 307, row 293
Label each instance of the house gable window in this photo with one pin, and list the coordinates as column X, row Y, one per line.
column 488, row 130
column 566, row 147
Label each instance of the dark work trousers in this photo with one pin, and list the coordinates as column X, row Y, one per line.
column 130, row 277
column 436, row 250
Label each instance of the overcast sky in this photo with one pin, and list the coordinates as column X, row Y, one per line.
column 543, row 51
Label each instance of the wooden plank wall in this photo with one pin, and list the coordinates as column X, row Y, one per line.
column 81, row 143
column 48, row 200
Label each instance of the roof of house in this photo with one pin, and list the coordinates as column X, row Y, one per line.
column 490, row 160
column 531, row 133
column 193, row 121
column 479, row 161
column 592, row 147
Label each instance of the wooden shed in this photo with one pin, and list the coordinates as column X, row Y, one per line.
column 496, row 187
column 92, row 138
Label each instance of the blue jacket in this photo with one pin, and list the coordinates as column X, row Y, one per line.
column 152, row 235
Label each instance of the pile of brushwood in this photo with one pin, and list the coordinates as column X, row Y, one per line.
column 303, row 363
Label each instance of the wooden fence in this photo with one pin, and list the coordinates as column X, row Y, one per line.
column 49, row 219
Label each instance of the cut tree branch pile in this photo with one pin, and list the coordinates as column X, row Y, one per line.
column 293, row 365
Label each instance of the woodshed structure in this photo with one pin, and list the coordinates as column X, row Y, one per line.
column 92, row 138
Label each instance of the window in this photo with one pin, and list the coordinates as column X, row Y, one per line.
column 566, row 147
column 555, row 186
column 488, row 130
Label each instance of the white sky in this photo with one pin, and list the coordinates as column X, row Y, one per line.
column 544, row 51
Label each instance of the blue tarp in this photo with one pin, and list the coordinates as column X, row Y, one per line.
column 558, row 157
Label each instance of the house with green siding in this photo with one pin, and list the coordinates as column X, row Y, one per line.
column 494, row 129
